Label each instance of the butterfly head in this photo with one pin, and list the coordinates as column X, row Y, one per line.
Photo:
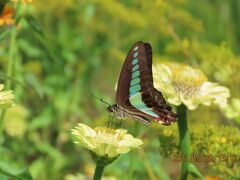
column 111, row 108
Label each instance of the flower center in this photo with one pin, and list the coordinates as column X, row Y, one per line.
column 108, row 135
column 187, row 81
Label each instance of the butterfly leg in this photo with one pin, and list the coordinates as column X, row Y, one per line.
column 110, row 121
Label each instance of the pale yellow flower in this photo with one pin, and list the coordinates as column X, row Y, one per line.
column 75, row 177
column 104, row 141
column 184, row 84
column 6, row 98
column 84, row 177
column 15, row 123
column 6, row 16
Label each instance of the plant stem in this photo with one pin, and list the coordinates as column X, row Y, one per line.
column 9, row 69
column 148, row 166
column 98, row 172
column 11, row 56
column 185, row 140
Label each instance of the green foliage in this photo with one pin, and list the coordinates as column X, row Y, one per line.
column 233, row 110
column 220, row 142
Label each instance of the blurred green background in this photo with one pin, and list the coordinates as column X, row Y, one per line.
column 66, row 50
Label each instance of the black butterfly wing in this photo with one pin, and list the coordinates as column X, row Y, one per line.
column 135, row 91
column 122, row 94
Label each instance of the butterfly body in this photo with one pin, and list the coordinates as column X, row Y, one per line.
column 136, row 96
column 121, row 113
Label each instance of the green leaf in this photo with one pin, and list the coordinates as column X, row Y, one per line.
column 154, row 161
column 192, row 169
column 39, row 33
column 32, row 22
column 43, row 120
column 4, row 34
column 4, row 172
column 25, row 174
column 34, row 84
column 37, row 167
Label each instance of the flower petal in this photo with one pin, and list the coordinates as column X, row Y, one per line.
column 184, row 84
column 162, row 76
column 104, row 141
column 174, row 99
column 84, row 136
column 86, row 130
column 6, row 98
column 191, row 103
column 213, row 93
column 130, row 141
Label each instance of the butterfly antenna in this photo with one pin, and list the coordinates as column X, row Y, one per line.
column 101, row 100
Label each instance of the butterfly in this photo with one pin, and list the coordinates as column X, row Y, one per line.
column 136, row 97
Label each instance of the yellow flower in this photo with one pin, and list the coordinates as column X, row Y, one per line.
column 15, row 121
column 6, row 98
column 84, row 177
column 6, row 16
column 104, row 141
column 184, row 84
column 75, row 177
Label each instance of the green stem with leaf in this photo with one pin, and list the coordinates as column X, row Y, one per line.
column 185, row 140
column 98, row 172
column 185, row 144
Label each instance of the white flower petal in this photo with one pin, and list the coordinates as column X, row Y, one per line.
column 130, row 141
column 104, row 141
column 191, row 103
column 213, row 93
column 162, row 76
column 82, row 140
column 164, row 73
column 184, row 84
column 175, row 100
column 84, row 135
column 6, row 98
column 86, row 130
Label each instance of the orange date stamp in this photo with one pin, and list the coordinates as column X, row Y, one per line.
column 219, row 158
